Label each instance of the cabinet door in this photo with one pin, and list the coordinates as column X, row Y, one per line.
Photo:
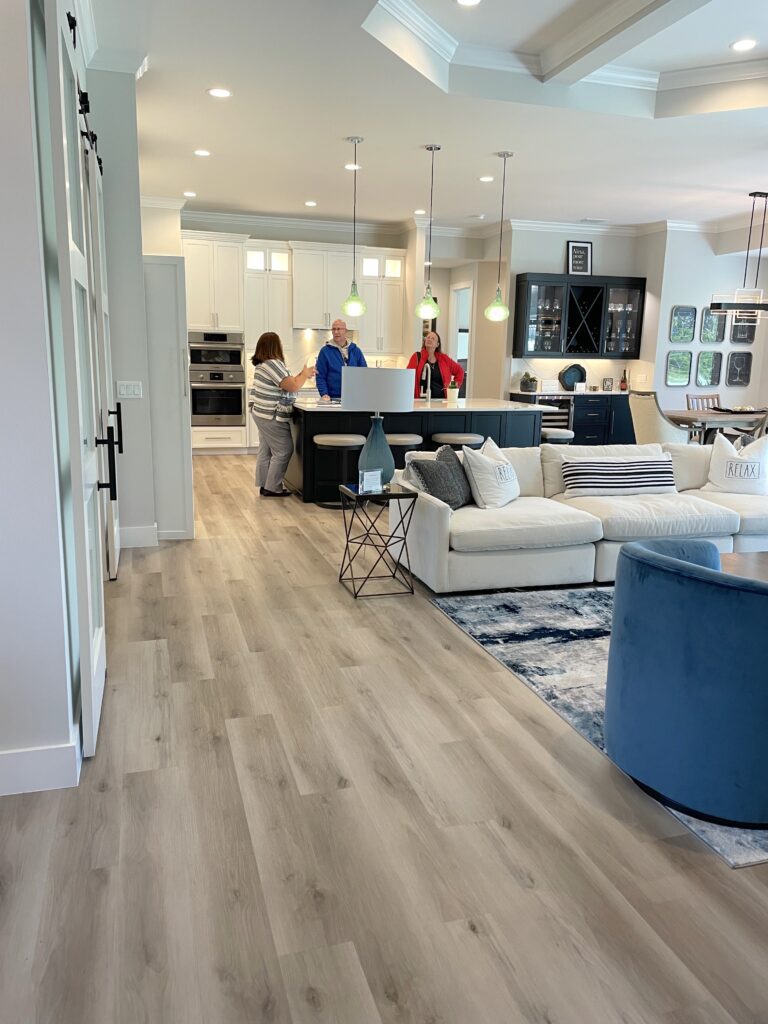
column 339, row 282
column 623, row 319
column 228, row 285
column 256, row 309
column 368, row 325
column 309, row 308
column 544, row 319
column 279, row 311
column 391, row 323
column 198, row 272
column 621, row 429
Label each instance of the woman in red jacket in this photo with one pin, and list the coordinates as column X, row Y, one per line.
column 441, row 368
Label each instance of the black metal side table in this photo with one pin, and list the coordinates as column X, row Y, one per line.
column 361, row 513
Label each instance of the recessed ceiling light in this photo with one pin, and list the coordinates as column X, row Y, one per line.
column 742, row 45
column 352, row 167
column 219, row 94
column 202, row 152
column 190, row 195
column 310, row 202
column 419, row 213
column 486, row 178
column 468, row 3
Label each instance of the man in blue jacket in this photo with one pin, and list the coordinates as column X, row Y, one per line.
column 335, row 354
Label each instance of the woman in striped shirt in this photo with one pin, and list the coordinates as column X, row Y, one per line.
column 271, row 401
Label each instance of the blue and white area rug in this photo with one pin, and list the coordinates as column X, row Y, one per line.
column 556, row 642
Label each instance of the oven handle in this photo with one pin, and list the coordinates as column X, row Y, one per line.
column 216, row 384
column 199, row 345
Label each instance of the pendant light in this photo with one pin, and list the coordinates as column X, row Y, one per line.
column 428, row 309
column 497, row 310
column 353, row 305
column 746, row 303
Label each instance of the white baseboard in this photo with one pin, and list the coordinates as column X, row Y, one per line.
column 138, row 536
column 176, row 534
column 38, row 768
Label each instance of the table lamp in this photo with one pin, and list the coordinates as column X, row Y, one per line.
column 364, row 388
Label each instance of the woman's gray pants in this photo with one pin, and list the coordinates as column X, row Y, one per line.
column 275, row 451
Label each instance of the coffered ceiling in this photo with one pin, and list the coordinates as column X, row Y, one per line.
column 621, row 141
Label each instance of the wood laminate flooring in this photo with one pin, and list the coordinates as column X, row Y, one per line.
column 310, row 810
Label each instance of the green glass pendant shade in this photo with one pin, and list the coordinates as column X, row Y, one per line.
column 353, row 305
column 496, row 310
column 427, row 309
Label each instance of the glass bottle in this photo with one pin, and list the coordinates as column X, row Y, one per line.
column 623, row 383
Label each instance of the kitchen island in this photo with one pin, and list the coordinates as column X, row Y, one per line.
column 316, row 474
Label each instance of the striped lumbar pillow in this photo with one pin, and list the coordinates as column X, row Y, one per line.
column 613, row 474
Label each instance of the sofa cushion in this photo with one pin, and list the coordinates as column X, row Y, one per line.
column 690, row 463
column 618, row 475
column 637, row 516
column 525, row 523
column 552, row 456
column 527, row 464
column 752, row 509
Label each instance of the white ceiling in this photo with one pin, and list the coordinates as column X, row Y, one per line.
column 304, row 75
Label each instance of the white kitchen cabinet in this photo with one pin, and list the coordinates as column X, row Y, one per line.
column 381, row 326
column 268, row 308
column 214, row 280
column 219, row 437
column 253, row 432
column 322, row 279
column 339, row 283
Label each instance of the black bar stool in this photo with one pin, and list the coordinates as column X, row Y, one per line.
column 345, row 443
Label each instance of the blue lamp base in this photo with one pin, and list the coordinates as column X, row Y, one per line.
column 376, row 453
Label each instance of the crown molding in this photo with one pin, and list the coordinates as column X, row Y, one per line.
column 258, row 223
column 574, row 229
column 715, row 74
column 422, row 26
column 489, row 59
column 624, row 78
column 162, row 203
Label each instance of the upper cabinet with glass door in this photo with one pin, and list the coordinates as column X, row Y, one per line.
column 268, row 258
column 539, row 315
column 623, row 319
column 380, row 281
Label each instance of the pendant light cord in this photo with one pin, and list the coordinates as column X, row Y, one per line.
column 749, row 242
column 501, row 222
column 431, row 195
column 354, row 217
column 762, row 236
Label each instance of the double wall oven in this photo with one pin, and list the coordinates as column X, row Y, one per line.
column 217, row 378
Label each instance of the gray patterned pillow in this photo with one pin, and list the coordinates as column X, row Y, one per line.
column 444, row 478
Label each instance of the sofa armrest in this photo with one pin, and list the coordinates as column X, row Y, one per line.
column 428, row 538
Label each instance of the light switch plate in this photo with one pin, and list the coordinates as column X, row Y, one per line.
column 129, row 389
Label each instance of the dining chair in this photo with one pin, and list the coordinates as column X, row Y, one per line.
column 650, row 423
column 701, row 402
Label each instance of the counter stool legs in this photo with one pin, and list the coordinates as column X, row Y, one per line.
column 345, row 443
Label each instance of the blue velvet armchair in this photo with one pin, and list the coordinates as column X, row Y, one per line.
column 686, row 708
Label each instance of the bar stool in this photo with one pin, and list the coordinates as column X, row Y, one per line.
column 345, row 443
column 556, row 435
column 458, row 441
column 404, row 442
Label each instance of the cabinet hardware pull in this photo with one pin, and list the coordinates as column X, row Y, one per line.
column 118, row 412
column 111, row 483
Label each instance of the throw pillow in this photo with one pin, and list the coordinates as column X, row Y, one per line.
column 409, row 476
column 493, row 481
column 618, row 475
column 738, row 472
column 443, row 478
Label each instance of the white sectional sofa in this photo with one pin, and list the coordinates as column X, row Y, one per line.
column 544, row 539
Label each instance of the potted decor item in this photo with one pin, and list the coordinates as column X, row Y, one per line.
column 452, row 392
column 528, row 382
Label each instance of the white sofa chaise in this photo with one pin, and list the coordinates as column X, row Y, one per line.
column 544, row 539
column 532, row 542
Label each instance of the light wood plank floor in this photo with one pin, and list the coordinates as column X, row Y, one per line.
column 309, row 809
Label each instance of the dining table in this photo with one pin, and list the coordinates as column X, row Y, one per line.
column 709, row 422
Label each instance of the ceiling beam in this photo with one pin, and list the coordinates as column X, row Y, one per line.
column 608, row 34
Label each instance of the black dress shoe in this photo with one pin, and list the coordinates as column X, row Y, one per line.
column 274, row 494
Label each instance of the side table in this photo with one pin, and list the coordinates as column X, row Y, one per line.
column 361, row 513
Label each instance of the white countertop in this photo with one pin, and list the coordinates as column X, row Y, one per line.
column 436, row 405
column 565, row 394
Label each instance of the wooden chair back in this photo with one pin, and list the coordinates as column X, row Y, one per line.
column 702, row 401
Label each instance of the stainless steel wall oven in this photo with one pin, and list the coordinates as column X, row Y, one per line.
column 217, row 379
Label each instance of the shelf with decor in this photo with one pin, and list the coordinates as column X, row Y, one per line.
column 560, row 315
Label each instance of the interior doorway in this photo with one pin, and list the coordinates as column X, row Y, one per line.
column 461, row 319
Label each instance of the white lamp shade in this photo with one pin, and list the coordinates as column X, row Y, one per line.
column 377, row 389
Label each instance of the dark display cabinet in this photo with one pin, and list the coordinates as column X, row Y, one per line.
column 594, row 419
column 559, row 315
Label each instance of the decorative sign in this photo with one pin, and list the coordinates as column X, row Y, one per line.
column 580, row 386
column 682, row 327
column 739, row 369
column 708, row 366
column 369, row 482
column 607, row 383
column 712, row 327
column 579, row 258
column 678, row 369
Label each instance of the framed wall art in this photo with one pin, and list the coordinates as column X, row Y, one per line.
column 607, row 383
column 579, row 258
column 682, row 325
column 708, row 367
column 712, row 328
column 743, row 330
column 678, row 369
column 739, row 369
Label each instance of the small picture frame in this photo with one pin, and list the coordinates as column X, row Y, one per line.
column 708, row 369
column 678, row 369
column 739, row 369
column 712, row 330
column 579, row 258
column 369, row 481
column 743, row 329
column 607, row 383
column 682, row 325
column 580, row 386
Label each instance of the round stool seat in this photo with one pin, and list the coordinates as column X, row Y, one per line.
column 339, row 440
column 556, row 435
column 457, row 440
column 404, row 440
